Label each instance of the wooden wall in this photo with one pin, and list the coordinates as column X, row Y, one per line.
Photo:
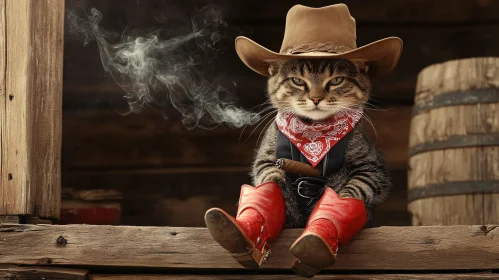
column 170, row 175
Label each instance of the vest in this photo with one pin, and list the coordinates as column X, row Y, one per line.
column 310, row 189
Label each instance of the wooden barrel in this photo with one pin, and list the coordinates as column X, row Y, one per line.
column 454, row 144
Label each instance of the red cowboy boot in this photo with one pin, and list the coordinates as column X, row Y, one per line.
column 260, row 218
column 334, row 221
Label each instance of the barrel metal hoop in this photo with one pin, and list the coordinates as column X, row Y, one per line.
column 453, row 188
column 459, row 97
column 457, row 141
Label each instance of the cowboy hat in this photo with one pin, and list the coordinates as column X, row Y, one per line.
column 318, row 33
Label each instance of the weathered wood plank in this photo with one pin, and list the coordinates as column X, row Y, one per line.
column 429, row 276
column 46, row 106
column 385, row 248
column 3, row 96
column 34, row 272
column 166, row 197
column 180, row 197
column 86, row 84
column 15, row 195
column 104, row 138
column 384, row 11
column 381, row 11
column 32, row 119
column 10, row 219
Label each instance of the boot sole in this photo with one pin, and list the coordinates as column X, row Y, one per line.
column 313, row 254
column 226, row 232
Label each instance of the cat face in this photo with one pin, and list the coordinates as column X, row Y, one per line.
column 316, row 89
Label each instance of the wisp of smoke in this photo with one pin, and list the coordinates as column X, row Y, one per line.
column 166, row 73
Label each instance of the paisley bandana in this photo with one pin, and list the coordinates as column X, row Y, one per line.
column 315, row 140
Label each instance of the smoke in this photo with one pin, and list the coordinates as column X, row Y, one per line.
column 167, row 72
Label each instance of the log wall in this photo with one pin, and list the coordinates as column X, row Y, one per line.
column 133, row 153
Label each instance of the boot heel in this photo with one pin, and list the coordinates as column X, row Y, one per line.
column 252, row 259
column 313, row 254
column 225, row 231
column 305, row 270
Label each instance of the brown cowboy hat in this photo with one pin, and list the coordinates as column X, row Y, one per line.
column 327, row 32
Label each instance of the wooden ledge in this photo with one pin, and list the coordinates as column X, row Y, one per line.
column 386, row 248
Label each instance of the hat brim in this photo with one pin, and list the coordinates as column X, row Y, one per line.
column 383, row 55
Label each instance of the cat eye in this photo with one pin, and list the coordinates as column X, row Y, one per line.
column 298, row 81
column 336, row 81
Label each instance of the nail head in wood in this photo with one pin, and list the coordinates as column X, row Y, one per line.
column 61, row 241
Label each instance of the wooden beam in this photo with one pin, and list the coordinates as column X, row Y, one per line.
column 10, row 220
column 180, row 197
column 32, row 39
column 373, row 276
column 380, row 11
column 385, row 248
column 86, row 84
column 3, row 95
column 34, row 272
column 104, row 138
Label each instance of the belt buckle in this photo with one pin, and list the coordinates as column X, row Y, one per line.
column 299, row 188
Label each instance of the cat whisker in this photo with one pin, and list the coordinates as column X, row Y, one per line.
column 261, row 121
column 375, row 108
column 265, row 129
column 364, row 116
column 258, row 114
column 262, row 104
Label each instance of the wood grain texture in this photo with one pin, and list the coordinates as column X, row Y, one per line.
column 181, row 196
column 32, row 122
column 385, row 248
column 46, row 106
column 451, row 165
column 87, row 85
column 460, row 74
column 166, row 197
column 472, row 208
column 10, row 220
column 472, row 163
column 104, row 138
column 49, row 273
column 443, row 123
column 429, row 276
column 463, row 209
column 3, row 96
column 381, row 11
column 384, row 11
column 454, row 165
column 16, row 196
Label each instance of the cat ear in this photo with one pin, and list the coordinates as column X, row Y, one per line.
column 363, row 66
column 272, row 69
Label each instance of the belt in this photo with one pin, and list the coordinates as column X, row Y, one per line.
column 310, row 187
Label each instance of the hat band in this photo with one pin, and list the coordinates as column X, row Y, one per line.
column 317, row 47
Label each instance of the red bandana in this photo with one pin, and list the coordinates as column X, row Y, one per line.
column 315, row 140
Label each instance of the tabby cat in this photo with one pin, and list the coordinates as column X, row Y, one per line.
column 315, row 90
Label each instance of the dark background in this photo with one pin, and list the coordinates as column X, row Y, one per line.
column 170, row 175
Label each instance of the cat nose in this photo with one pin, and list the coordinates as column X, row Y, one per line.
column 316, row 100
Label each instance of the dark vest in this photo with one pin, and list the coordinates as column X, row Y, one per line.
column 331, row 163
column 310, row 189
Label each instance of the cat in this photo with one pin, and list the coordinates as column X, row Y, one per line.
column 315, row 90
